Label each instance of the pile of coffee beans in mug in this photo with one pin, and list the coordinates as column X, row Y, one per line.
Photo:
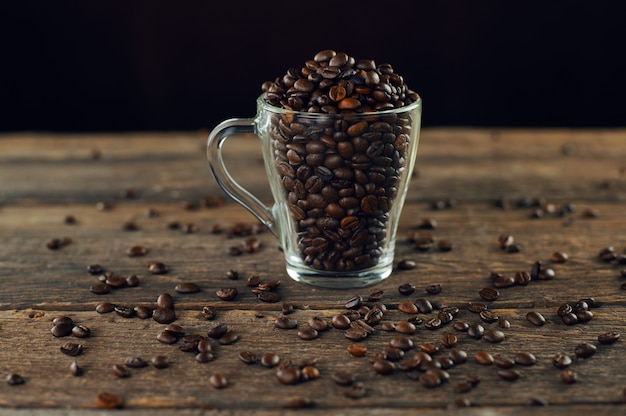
column 340, row 172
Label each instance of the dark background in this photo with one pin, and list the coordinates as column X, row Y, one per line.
column 165, row 65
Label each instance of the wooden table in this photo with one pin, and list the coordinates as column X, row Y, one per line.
column 124, row 190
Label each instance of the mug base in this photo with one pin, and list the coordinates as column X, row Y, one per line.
column 339, row 280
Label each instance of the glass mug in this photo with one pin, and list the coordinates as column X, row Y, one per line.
column 339, row 182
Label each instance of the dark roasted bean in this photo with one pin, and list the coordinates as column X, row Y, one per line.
column 535, row 318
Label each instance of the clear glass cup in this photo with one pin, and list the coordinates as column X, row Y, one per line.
column 339, row 182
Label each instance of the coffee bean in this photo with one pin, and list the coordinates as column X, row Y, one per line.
column 75, row 370
column 608, row 337
column 406, row 264
column 357, row 350
column 461, row 326
column 109, row 400
column 248, row 357
column 569, row 377
column 227, row 293
column 561, row 360
column 488, row 316
column 157, row 268
column 489, row 294
column 483, row 358
column 433, row 289
column 135, row 362
column 406, row 289
column 476, row 307
column 15, row 379
column 522, row 278
column 217, row 331
column 121, row 371
column 268, row 297
column 95, row 269
column 383, row 367
column 164, row 315
column 508, row 374
column 525, row 359
column 72, row 349
column 288, row 375
column 218, row 381
column 402, row 342
column 503, row 281
column 463, row 387
column 569, row 318
column 284, row 322
column 208, row 312
column 535, row 318
column 340, row 321
column 503, row 362
column 165, row 300
column 494, row 336
column 228, row 338
column 559, row 257
column 136, row 251
column 408, row 307
column 406, row 328
column 132, row 280
column 124, row 311
column 100, row 288
column 143, row 311
column 62, row 329
column 424, row 305
column 166, row 337
column 585, row 350
column 187, row 287
column 81, row 331
column 457, row 356
column 475, row 331
column 160, row 362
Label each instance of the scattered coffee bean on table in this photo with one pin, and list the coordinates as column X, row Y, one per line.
column 525, row 358
column 535, row 318
column 585, row 350
column 109, row 400
column 15, row 379
column 218, row 381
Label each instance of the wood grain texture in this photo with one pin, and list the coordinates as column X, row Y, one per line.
column 45, row 178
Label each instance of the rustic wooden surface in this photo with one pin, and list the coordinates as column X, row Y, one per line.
column 44, row 178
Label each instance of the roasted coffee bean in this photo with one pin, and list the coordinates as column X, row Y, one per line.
column 503, row 323
column 284, row 322
column 357, row 350
column 503, row 282
column 217, row 331
column 307, row 333
column 406, row 264
column 408, row 307
column 433, row 289
column 483, row 358
column 248, row 357
column 463, row 387
column 135, row 362
column 187, row 287
column 457, row 356
column 522, row 278
column 95, row 269
column 584, row 316
column 561, row 360
column 218, row 381
column 268, row 297
column 569, row 377
column 340, row 321
column 109, row 400
column 356, row 333
column 493, row 336
column 406, row 328
column 585, row 350
column 157, row 268
column 72, row 349
column 166, row 337
column 160, row 362
column 569, row 318
column 433, row 324
column 61, row 329
column 489, row 294
column 608, row 337
column 383, row 367
column 227, row 293
column 75, row 369
column 136, row 251
column 81, row 331
column 15, row 379
column 475, row 331
column 121, row 371
column 343, row 378
column 461, row 326
column 204, row 357
column 429, row 348
column 100, row 288
column 535, row 318
column 124, row 311
column 424, row 305
column 508, row 374
column 317, row 323
column 402, row 342
column 309, row 372
column 503, row 362
column 270, row 360
column 143, row 311
column 476, row 307
column 164, row 315
column 525, row 359
column 165, row 300
column 288, row 375
column 564, row 308
column 559, row 257
column 488, row 316
column 105, row 307
column 354, row 302
column 406, row 289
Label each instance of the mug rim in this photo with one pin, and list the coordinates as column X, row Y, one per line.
column 264, row 104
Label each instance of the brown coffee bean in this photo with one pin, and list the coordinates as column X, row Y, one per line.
column 489, row 294
column 608, row 337
column 307, row 333
column 509, row 374
column 525, row 359
column 288, row 375
column 218, row 381
column 357, row 350
column 585, row 350
column 561, row 360
column 535, row 318
column 160, row 362
column 284, row 322
column 569, row 377
column 109, row 400
column 408, row 307
column 494, row 336
column 165, row 300
column 483, row 358
column 121, row 371
column 157, row 268
column 187, row 287
column 503, row 362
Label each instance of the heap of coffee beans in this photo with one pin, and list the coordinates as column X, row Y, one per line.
column 340, row 172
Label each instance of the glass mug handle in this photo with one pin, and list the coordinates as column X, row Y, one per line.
column 225, row 181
